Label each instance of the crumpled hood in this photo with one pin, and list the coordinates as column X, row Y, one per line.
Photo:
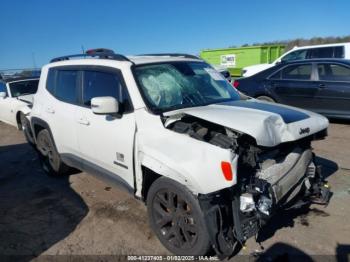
column 270, row 124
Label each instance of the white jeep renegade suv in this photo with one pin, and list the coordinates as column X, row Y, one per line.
column 212, row 166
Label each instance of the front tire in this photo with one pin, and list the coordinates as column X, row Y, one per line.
column 49, row 157
column 176, row 218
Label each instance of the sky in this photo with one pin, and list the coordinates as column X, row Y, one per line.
column 34, row 31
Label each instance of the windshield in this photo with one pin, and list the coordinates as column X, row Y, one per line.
column 24, row 88
column 173, row 85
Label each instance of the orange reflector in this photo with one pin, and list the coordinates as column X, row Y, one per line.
column 226, row 170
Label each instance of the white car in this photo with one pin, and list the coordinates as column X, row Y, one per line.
column 16, row 98
column 211, row 166
column 340, row 50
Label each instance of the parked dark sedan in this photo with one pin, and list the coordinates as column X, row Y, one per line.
column 319, row 85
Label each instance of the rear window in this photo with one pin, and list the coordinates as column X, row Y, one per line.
column 297, row 72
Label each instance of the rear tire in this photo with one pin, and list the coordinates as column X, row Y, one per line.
column 266, row 99
column 48, row 155
column 176, row 218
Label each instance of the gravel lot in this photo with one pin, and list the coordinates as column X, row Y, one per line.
column 79, row 215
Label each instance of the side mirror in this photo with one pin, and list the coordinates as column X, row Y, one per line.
column 3, row 94
column 104, row 105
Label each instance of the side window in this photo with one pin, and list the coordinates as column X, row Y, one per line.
column 99, row 83
column 276, row 76
column 51, row 81
column 3, row 87
column 296, row 55
column 339, row 52
column 323, row 52
column 333, row 72
column 297, row 72
column 24, row 88
column 66, row 86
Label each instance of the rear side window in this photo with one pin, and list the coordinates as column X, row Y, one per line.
column 297, row 72
column 339, row 52
column 24, row 88
column 324, row 52
column 333, row 72
column 63, row 84
column 66, row 86
column 50, row 82
column 327, row 52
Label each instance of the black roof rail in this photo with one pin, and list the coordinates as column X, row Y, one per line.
column 173, row 55
column 101, row 53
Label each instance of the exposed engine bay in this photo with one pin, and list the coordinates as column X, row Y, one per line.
column 206, row 131
column 268, row 179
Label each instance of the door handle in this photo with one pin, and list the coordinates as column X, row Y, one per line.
column 83, row 121
column 321, row 85
column 50, row 110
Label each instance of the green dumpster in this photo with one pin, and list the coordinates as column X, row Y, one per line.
column 234, row 59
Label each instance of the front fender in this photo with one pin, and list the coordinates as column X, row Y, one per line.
column 24, row 109
column 164, row 170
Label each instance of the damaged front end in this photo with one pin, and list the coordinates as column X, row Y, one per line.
column 269, row 180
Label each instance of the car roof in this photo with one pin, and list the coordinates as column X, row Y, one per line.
column 107, row 54
column 317, row 60
column 320, row 46
column 263, row 74
column 149, row 59
column 18, row 79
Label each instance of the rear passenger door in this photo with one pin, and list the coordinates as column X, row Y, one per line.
column 334, row 89
column 293, row 85
column 59, row 108
column 106, row 142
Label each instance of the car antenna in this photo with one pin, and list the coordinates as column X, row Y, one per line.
column 83, row 49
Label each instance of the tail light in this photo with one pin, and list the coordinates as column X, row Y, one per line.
column 227, row 170
column 235, row 84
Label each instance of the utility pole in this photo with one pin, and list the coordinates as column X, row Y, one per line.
column 33, row 58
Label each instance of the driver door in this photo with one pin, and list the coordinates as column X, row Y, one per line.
column 106, row 142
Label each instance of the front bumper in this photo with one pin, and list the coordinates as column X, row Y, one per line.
column 228, row 225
